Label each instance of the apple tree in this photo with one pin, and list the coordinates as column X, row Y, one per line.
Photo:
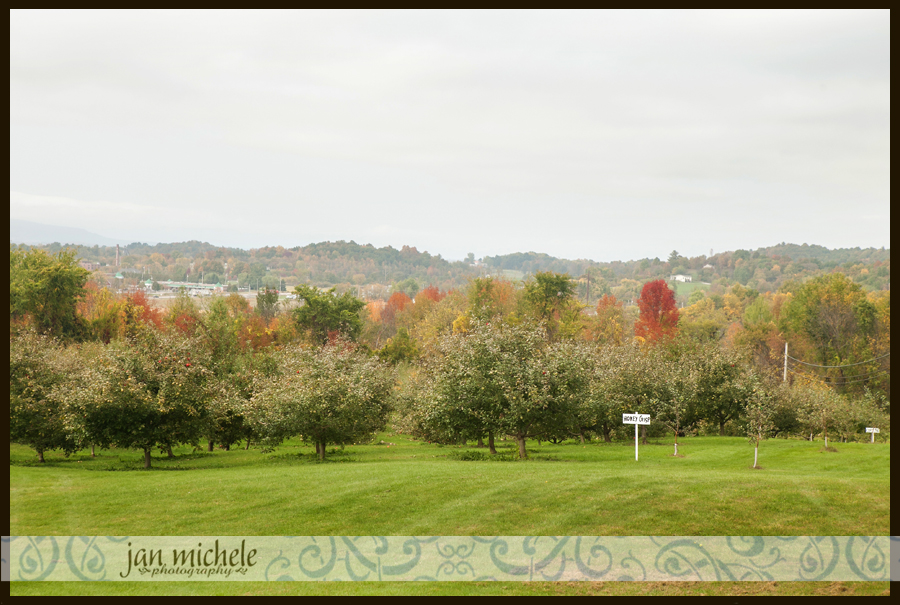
column 142, row 394
column 332, row 394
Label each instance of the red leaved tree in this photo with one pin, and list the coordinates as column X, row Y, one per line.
column 659, row 316
column 148, row 314
column 395, row 304
column 431, row 293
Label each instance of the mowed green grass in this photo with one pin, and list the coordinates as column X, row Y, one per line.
column 685, row 288
column 452, row 588
column 414, row 488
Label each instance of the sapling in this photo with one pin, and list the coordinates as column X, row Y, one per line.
column 758, row 411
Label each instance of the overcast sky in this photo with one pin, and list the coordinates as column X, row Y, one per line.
column 603, row 135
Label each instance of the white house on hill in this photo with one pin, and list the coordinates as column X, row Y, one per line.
column 680, row 277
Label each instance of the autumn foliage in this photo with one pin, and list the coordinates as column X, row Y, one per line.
column 431, row 293
column 609, row 323
column 398, row 301
column 659, row 316
column 148, row 314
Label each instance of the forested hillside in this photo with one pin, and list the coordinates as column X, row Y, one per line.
column 349, row 265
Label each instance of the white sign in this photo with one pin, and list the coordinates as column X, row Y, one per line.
column 871, row 430
column 635, row 419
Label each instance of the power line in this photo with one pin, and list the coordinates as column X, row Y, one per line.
column 848, row 365
column 864, row 374
column 852, row 380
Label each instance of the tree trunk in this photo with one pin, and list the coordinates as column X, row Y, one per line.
column 169, row 452
column 491, row 447
column 40, row 455
column 521, row 442
column 146, row 458
column 211, row 445
column 248, row 445
column 93, row 455
column 643, row 434
column 606, row 435
column 755, row 455
column 676, row 443
column 322, row 451
column 581, row 435
column 480, row 441
column 721, row 428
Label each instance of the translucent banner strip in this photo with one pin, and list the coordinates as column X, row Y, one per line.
column 443, row 558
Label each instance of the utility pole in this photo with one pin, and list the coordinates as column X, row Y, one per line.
column 785, row 361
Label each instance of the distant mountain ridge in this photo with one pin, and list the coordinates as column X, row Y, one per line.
column 40, row 234
column 349, row 265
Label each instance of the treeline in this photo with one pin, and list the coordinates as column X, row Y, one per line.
column 324, row 264
column 349, row 265
column 764, row 269
column 493, row 358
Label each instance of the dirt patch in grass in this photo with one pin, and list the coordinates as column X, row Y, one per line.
column 756, row 468
column 828, row 449
column 836, row 589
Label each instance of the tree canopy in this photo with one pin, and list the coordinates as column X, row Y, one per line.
column 326, row 313
column 47, row 287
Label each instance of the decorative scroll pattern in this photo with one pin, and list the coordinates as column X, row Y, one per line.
column 448, row 558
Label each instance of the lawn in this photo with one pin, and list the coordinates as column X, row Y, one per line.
column 452, row 588
column 685, row 288
column 415, row 488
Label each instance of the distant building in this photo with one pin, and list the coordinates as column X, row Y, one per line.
column 708, row 266
column 88, row 265
column 680, row 277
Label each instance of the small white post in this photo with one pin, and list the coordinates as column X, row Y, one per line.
column 785, row 360
column 636, row 442
column 873, row 436
column 635, row 419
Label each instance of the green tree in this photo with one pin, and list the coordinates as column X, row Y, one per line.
column 325, row 313
column 330, row 394
column 819, row 408
column 696, row 296
column 503, row 379
column 267, row 303
column 550, row 296
column 722, row 383
column 408, row 286
column 831, row 314
column 38, row 366
column 628, row 382
column 677, row 385
column 400, row 348
column 47, row 288
column 141, row 394
column 759, row 411
column 600, row 410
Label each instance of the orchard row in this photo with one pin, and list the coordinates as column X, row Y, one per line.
column 161, row 388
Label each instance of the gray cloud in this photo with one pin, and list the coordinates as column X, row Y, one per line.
column 595, row 134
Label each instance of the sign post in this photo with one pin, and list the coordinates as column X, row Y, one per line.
column 637, row 419
column 873, row 431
